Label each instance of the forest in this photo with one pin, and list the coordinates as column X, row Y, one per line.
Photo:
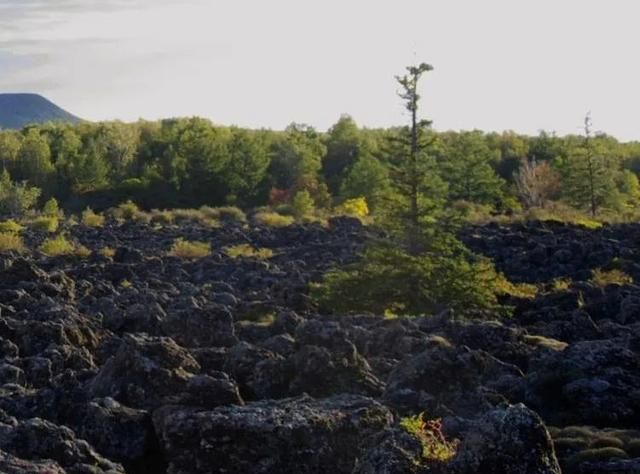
column 190, row 162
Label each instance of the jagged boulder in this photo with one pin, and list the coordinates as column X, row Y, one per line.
column 511, row 440
column 446, row 379
column 145, row 372
column 299, row 435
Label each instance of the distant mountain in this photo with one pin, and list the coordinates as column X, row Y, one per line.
column 19, row 110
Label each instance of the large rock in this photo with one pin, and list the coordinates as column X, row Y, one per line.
column 207, row 327
column 445, row 379
column 299, row 435
column 392, row 451
column 146, row 372
column 12, row 465
column 512, row 440
column 39, row 439
column 590, row 382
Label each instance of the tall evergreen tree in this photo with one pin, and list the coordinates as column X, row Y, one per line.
column 589, row 174
column 419, row 266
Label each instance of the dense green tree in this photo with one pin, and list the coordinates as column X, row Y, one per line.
column 247, row 166
column 34, row 160
column 296, row 153
column 9, row 148
column 16, row 198
column 466, row 167
column 117, row 143
column 345, row 145
column 368, row 178
column 86, row 170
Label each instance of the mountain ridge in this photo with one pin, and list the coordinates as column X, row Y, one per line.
column 18, row 110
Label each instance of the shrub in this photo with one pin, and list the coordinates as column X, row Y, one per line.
column 82, row 251
column 51, row 208
column 107, row 252
column 603, row 278
column 560, row 284
column 186, row 249
column 11, row 226
column 224, row 214
column 11, row 242
column 126, row 210
column 387, row 278
column 162, row 217
column 519, row 290
column 302, row 204
column 356, row 207
column 245, row 250
column 91, row 219
column 435, row 447
column 58, row 245
column 273, row 219
column 45, row 224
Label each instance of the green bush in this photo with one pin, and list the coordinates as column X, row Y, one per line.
column 302, row 204
column 127, row 210
column 435, row 447
column 247, row 251
column 91, row 219
column 191, row 250
column 58, row 245
column 273, row 219
column 51, row 208
column 10, row 226
column 388, row 279
column 11, row 242
column 356, row 207
column 45, row 224
column 225, row 213
column 602, row 278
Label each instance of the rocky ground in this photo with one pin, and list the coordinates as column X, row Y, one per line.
column 146, row 363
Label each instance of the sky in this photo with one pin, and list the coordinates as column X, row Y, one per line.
column 522, row 65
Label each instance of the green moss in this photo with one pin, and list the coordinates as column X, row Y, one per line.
column 570, row 444
column 599, row 454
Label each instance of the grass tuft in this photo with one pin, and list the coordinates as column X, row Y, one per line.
column 192, row 250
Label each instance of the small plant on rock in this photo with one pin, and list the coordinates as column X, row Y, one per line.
column 45, row 224
column 356, row 207
column 127, row 210
column 246, row 250
column 186, row 249
column 435, row 446
column 603, row 278
column 58, row 245
column 107, row 252
column 273, row 219
column 91, row 219
column 10, row 226
column 51, row 208
column 11, row 242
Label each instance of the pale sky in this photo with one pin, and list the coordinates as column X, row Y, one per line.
column 523, row 65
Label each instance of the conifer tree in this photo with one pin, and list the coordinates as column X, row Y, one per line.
column 418, row 266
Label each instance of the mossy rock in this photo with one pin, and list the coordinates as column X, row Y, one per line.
column 599, row 454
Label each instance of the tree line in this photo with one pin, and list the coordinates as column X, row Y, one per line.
column 189, row 162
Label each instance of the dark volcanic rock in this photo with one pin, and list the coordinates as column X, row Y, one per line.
column 445, row 379
column 511, row 440
column 146, row 372
column 300, row 435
